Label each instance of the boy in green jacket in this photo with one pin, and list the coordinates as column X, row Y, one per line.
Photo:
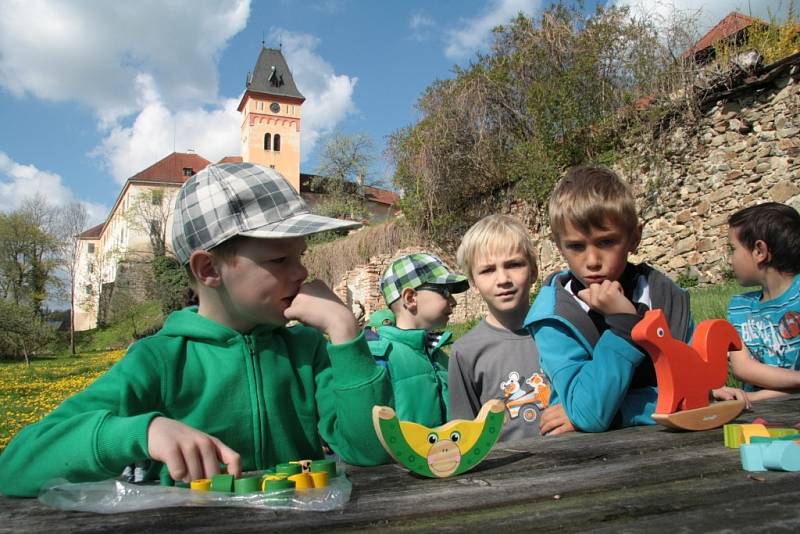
column 419, row 289
column 227, row 382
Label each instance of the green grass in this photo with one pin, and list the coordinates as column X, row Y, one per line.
column 146, row 318
column 712, row 302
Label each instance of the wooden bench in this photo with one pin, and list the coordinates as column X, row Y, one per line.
column 645, row 478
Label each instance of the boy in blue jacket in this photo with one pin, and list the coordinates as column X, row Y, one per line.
column 582, row 318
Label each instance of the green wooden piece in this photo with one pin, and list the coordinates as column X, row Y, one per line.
column 222, row 483
column 247, row 485
column 328, row 466
column 289, row 469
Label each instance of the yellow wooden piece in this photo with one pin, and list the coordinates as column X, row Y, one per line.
column 201, row 484
column 417, row 436
column 748, row 431
column 319, row 478
column 302, row 481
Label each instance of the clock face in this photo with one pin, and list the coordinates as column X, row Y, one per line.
column 274, row 107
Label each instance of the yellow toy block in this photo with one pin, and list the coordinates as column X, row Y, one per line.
column 736, row 435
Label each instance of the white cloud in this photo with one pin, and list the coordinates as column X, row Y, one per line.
column 19, row 182
column 211, row 131
column 420, row 25
column 473, row 34
column 93, row 52
column 706, row 13
column 329, row 96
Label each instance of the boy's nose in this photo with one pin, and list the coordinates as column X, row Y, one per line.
column 301, row 273
column 593, row 259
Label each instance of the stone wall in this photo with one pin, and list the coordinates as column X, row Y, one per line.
column 133, row 285
column 745, row 150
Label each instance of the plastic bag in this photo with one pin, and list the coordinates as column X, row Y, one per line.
column 115, row 496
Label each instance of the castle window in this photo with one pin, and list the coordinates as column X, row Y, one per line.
column 188, row 171
column 88, row 289
column 267, row 141
column 277, row 145
column 90, row 268
column 90, row 248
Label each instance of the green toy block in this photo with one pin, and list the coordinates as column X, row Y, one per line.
column 732, row 436
column 222, row 483
column 279, row 485
column 247, row 485
column 289, row 469
column 760, row 439
column 782, row 432
column 328, row 466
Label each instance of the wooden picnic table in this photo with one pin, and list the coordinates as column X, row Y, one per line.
column 636, row 479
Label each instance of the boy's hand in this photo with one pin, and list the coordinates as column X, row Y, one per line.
column 554, row 421
column 728, row 393
column 607, row 298
column 319, row 307
column 188, row 453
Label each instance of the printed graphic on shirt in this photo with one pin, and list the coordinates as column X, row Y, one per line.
column 776, row 344
column 527, row 399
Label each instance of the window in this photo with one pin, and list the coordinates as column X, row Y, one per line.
column 88, row 289
column 90, row 248
column 276, row 146
column 272, row 166
column 188, row 171
column 90, row 268
column 157, row 197
column 267, row 141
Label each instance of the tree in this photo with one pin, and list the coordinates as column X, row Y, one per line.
column 342, row 172
column 148, row 214
column 554, row 91
column 73, row 221
column 27, row 253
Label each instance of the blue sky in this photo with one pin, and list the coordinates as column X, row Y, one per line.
column 93, row 91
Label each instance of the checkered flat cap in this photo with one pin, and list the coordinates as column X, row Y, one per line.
column 229, row 199
column 414, row 270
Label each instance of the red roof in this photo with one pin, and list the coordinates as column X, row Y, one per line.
column 91, row 233
column 732, row 24
column 381, row 196
column 231, row 159
column 171, row 168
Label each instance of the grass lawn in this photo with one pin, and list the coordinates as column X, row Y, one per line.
column 29, row 393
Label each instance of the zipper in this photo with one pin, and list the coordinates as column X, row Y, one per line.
column 258, row 403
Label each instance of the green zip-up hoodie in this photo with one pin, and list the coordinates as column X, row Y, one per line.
column 269, row 395
column 419, row 379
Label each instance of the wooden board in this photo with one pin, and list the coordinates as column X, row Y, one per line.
column 711, row 416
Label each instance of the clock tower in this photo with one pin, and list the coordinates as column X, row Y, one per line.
column 270, row 109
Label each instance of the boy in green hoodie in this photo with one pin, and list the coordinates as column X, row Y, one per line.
column 419, row 289
column 227, row 382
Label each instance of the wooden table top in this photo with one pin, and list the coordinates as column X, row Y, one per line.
column 643, row 478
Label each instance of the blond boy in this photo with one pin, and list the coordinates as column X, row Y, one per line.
column 498, row 358
column 227, row 382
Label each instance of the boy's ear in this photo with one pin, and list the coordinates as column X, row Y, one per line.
column 761, row 253
column 203, row 268
column 409, row 299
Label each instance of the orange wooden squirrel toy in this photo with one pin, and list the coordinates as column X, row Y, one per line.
column 686, row 374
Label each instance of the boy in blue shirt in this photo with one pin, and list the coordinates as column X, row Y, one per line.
column 582, row 318
column 765, row 241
